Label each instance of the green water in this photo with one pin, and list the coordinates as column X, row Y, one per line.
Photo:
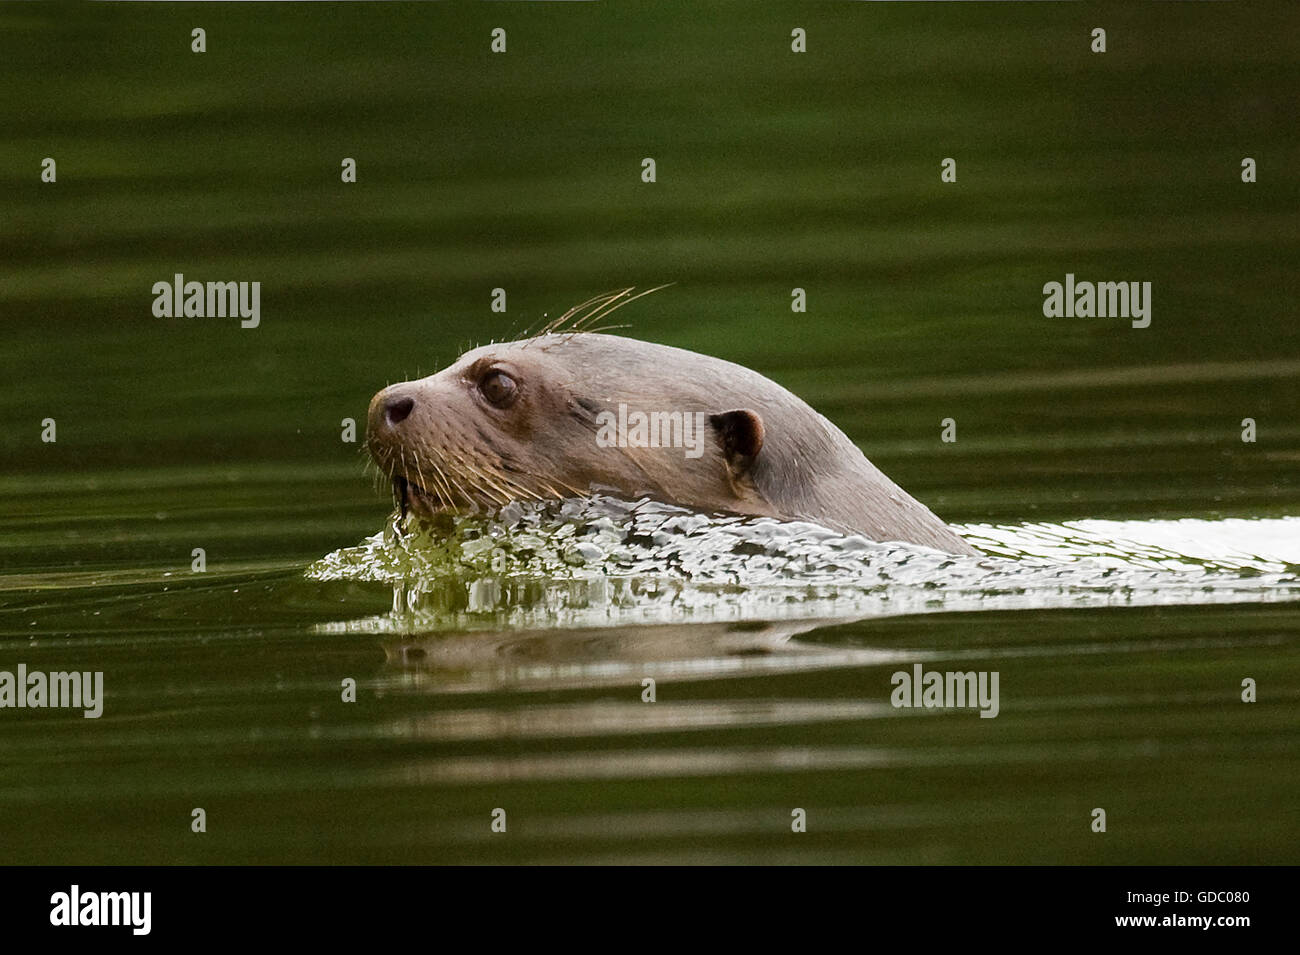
column 522, row 171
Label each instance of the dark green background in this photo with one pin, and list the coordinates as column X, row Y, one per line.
column 521, row 170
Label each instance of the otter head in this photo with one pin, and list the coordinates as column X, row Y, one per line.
column 565, row 415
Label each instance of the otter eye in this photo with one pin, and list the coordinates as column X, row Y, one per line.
column 498, row 388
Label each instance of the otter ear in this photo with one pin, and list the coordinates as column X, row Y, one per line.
column 740, row 435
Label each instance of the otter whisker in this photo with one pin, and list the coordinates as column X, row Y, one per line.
column 527, row 492
column 592, row 304
column 604, row 328
column 507, row 486
column 579, row 322
column 376, row 475
column 595, row 303
column 465, row 497
column 519, row 488
column 487, row 482
column 401, row 499
column 614, row 305
column 517, row 491
column 451, row 476
column 507, row 483
column 554, row 493
column 576, row 492
column 369, row 468
column 489, row 496
column 424, row 484
column 443, row 490
column 446, row 492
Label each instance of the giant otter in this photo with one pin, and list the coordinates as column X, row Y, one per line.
column 569, row 413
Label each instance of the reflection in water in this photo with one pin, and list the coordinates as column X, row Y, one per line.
column 685, row 762
column 608, row 718
column 615, row 656
column 608, row 594
column 623, row 659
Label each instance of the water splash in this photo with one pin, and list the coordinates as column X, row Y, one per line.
column 1245, row 546
column 601, row 562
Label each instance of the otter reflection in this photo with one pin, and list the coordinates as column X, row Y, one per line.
column 622, row 656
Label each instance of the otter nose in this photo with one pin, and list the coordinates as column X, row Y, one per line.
column 397, row 409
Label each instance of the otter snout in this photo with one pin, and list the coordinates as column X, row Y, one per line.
column 389, row 408
column 389, row 421
column 417, row 435
column 397, row 409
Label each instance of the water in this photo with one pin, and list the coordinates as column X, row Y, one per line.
column 1140, row 556
column 604, row 562
column 224, row 690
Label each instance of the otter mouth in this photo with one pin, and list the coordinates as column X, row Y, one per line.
column 457, row 486
column 414, row 499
